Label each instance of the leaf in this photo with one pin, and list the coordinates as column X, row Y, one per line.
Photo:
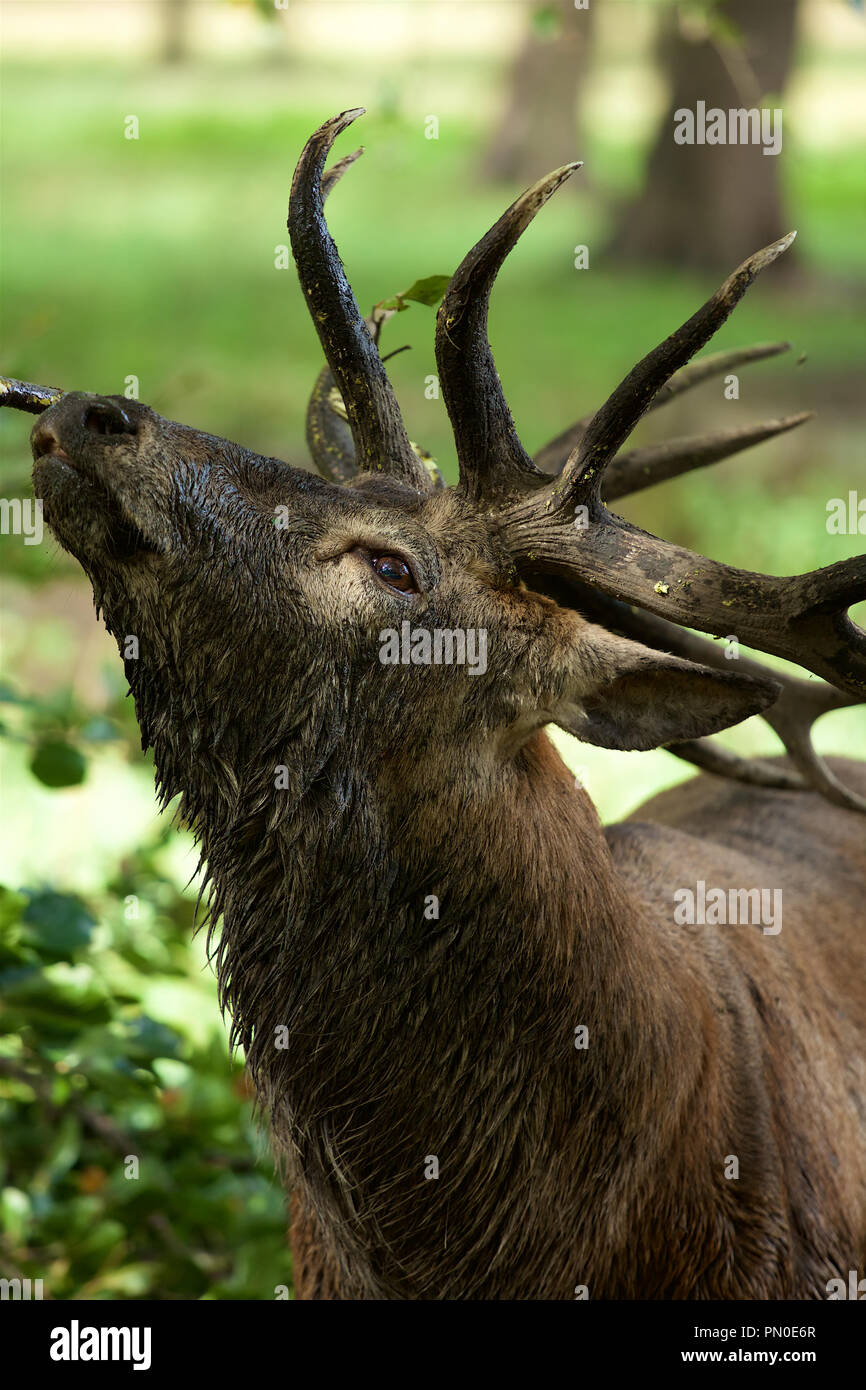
column 59, row 996
column 146, row 1039
column 12, row 906
column 56, row 763
column 546, row 21
column 9, row 696
column 427, row 291
column 58, row 924
column 61, row 1155
column 129, row 1281
column 15, row 1213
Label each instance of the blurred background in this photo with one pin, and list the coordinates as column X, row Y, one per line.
column 147, row 150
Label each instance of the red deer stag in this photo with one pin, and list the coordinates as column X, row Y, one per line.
column 498, row 1060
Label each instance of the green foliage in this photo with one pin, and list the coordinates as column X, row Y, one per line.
column 57, row 764
column 429, row 291
column 54, row 727
column 131, row 1165
column 546, row 21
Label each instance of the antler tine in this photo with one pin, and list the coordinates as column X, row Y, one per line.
column 581, row 478
column 332, row 175
column 792, row 717
column 713, row 757
column 381, row 442
column 799, row 705
column 329, row 437
column 656, row 463
column 553, row 455
column 715, row 364
column 493, row 462
column 24, row 395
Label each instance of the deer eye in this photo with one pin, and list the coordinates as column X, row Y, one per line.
column 394, row 572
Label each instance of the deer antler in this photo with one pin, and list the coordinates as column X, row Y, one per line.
column 803, row 618
column 329, row 438
column 492, row 460
column 554, row 454
column 24, row 395
column 380, row 440
column 625, row 577
column 656, row 463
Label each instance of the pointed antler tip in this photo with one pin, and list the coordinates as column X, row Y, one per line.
column 330, row 129
column 775, row 249
column 564, row 172
column 520, row 214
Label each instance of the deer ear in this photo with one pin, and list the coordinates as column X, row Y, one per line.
column 620, row 694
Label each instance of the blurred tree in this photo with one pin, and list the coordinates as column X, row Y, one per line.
column 538, row 129
column 175, row 31
column 710, row 206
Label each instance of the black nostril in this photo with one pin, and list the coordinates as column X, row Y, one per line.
column 104, row 417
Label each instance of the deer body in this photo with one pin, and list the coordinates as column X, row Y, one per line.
column 496, row 1063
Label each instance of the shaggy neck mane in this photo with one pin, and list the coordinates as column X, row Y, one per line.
column 406, row 988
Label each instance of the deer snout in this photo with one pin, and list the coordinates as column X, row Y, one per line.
column 73, row 418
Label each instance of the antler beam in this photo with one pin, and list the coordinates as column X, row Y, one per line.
column 802, row 618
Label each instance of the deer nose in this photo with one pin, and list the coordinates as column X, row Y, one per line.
column 106, row 417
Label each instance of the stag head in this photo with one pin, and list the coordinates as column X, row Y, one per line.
column 259, row 593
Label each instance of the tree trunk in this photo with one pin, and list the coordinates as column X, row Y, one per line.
column 710, row 206
column 175, row 41
column 538, row 130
